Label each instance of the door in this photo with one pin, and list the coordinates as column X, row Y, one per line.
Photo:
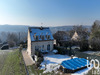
column 48, row 47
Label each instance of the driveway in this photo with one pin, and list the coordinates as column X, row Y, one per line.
column 27, row 59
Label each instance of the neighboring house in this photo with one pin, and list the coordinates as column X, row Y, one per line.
column 39, row 38
column 75, row 37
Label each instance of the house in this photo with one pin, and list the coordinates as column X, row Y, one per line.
column 39, row 38
column 75, row 37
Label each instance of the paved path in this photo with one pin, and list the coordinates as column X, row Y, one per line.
column 27, row 59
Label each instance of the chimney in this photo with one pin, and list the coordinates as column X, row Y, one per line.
column 41, row 27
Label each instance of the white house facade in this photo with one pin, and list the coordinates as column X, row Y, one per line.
column 39, row 38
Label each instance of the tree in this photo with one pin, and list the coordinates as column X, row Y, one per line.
column 60, row 37
column 94, row 40
column 12, row 39
column 83, row 36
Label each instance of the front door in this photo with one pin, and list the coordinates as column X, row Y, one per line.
column 48, row 47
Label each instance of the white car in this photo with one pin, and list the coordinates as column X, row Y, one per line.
column 44, row 51
column 55, row 51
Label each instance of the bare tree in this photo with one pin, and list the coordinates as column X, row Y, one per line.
column 12, row 39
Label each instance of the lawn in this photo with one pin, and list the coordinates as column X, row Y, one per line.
column 3, row 56
column 13, row 64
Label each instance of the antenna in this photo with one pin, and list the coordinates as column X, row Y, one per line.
column 41, row 23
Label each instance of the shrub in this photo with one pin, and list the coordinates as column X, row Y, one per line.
column 37, row 64
column 39, row 58
column 38, row 53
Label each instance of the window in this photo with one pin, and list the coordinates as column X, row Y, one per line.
column 48, row 36
column 42, row 46
column 48, row 47
column 36, row 47
column 36, row 37
column 42, row 37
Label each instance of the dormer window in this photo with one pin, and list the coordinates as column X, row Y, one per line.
column 42, row 37
column 48, row 36
column 34, row 36
column 37, row 38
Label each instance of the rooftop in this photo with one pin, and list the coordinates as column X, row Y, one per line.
column 40, row 34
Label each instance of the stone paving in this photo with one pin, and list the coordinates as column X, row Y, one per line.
column 27, row 59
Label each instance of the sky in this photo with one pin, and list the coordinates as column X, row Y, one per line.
column 49, row 12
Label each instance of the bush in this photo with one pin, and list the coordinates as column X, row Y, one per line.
column 11, row 43
column 39, row 58
column 84, row 46
column 37, row 64
column 24, row 44
column 38, row 53
column 61, row 50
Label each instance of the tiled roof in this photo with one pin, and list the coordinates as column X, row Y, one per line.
column 40, row 33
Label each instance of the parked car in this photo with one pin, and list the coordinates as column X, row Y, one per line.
column 6, row 46
column 44, row 51
column 75, row 48
column 55, row 51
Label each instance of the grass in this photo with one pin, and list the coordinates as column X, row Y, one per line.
column 14, row 64
column 3, row 56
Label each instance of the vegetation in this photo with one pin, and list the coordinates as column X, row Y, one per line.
column 60, row 37
column 13, row 38
column 83, row 37
column 14, row 64
column 64, row 38
column 39, row 58
column 94, row 40
column 3, row 56
column 33, row 71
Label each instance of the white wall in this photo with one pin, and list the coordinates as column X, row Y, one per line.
column 39, row 44
column 29, row 44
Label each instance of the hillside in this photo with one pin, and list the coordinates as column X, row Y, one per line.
column 24, row 28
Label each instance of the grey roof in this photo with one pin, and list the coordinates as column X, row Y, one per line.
column 38, row 31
